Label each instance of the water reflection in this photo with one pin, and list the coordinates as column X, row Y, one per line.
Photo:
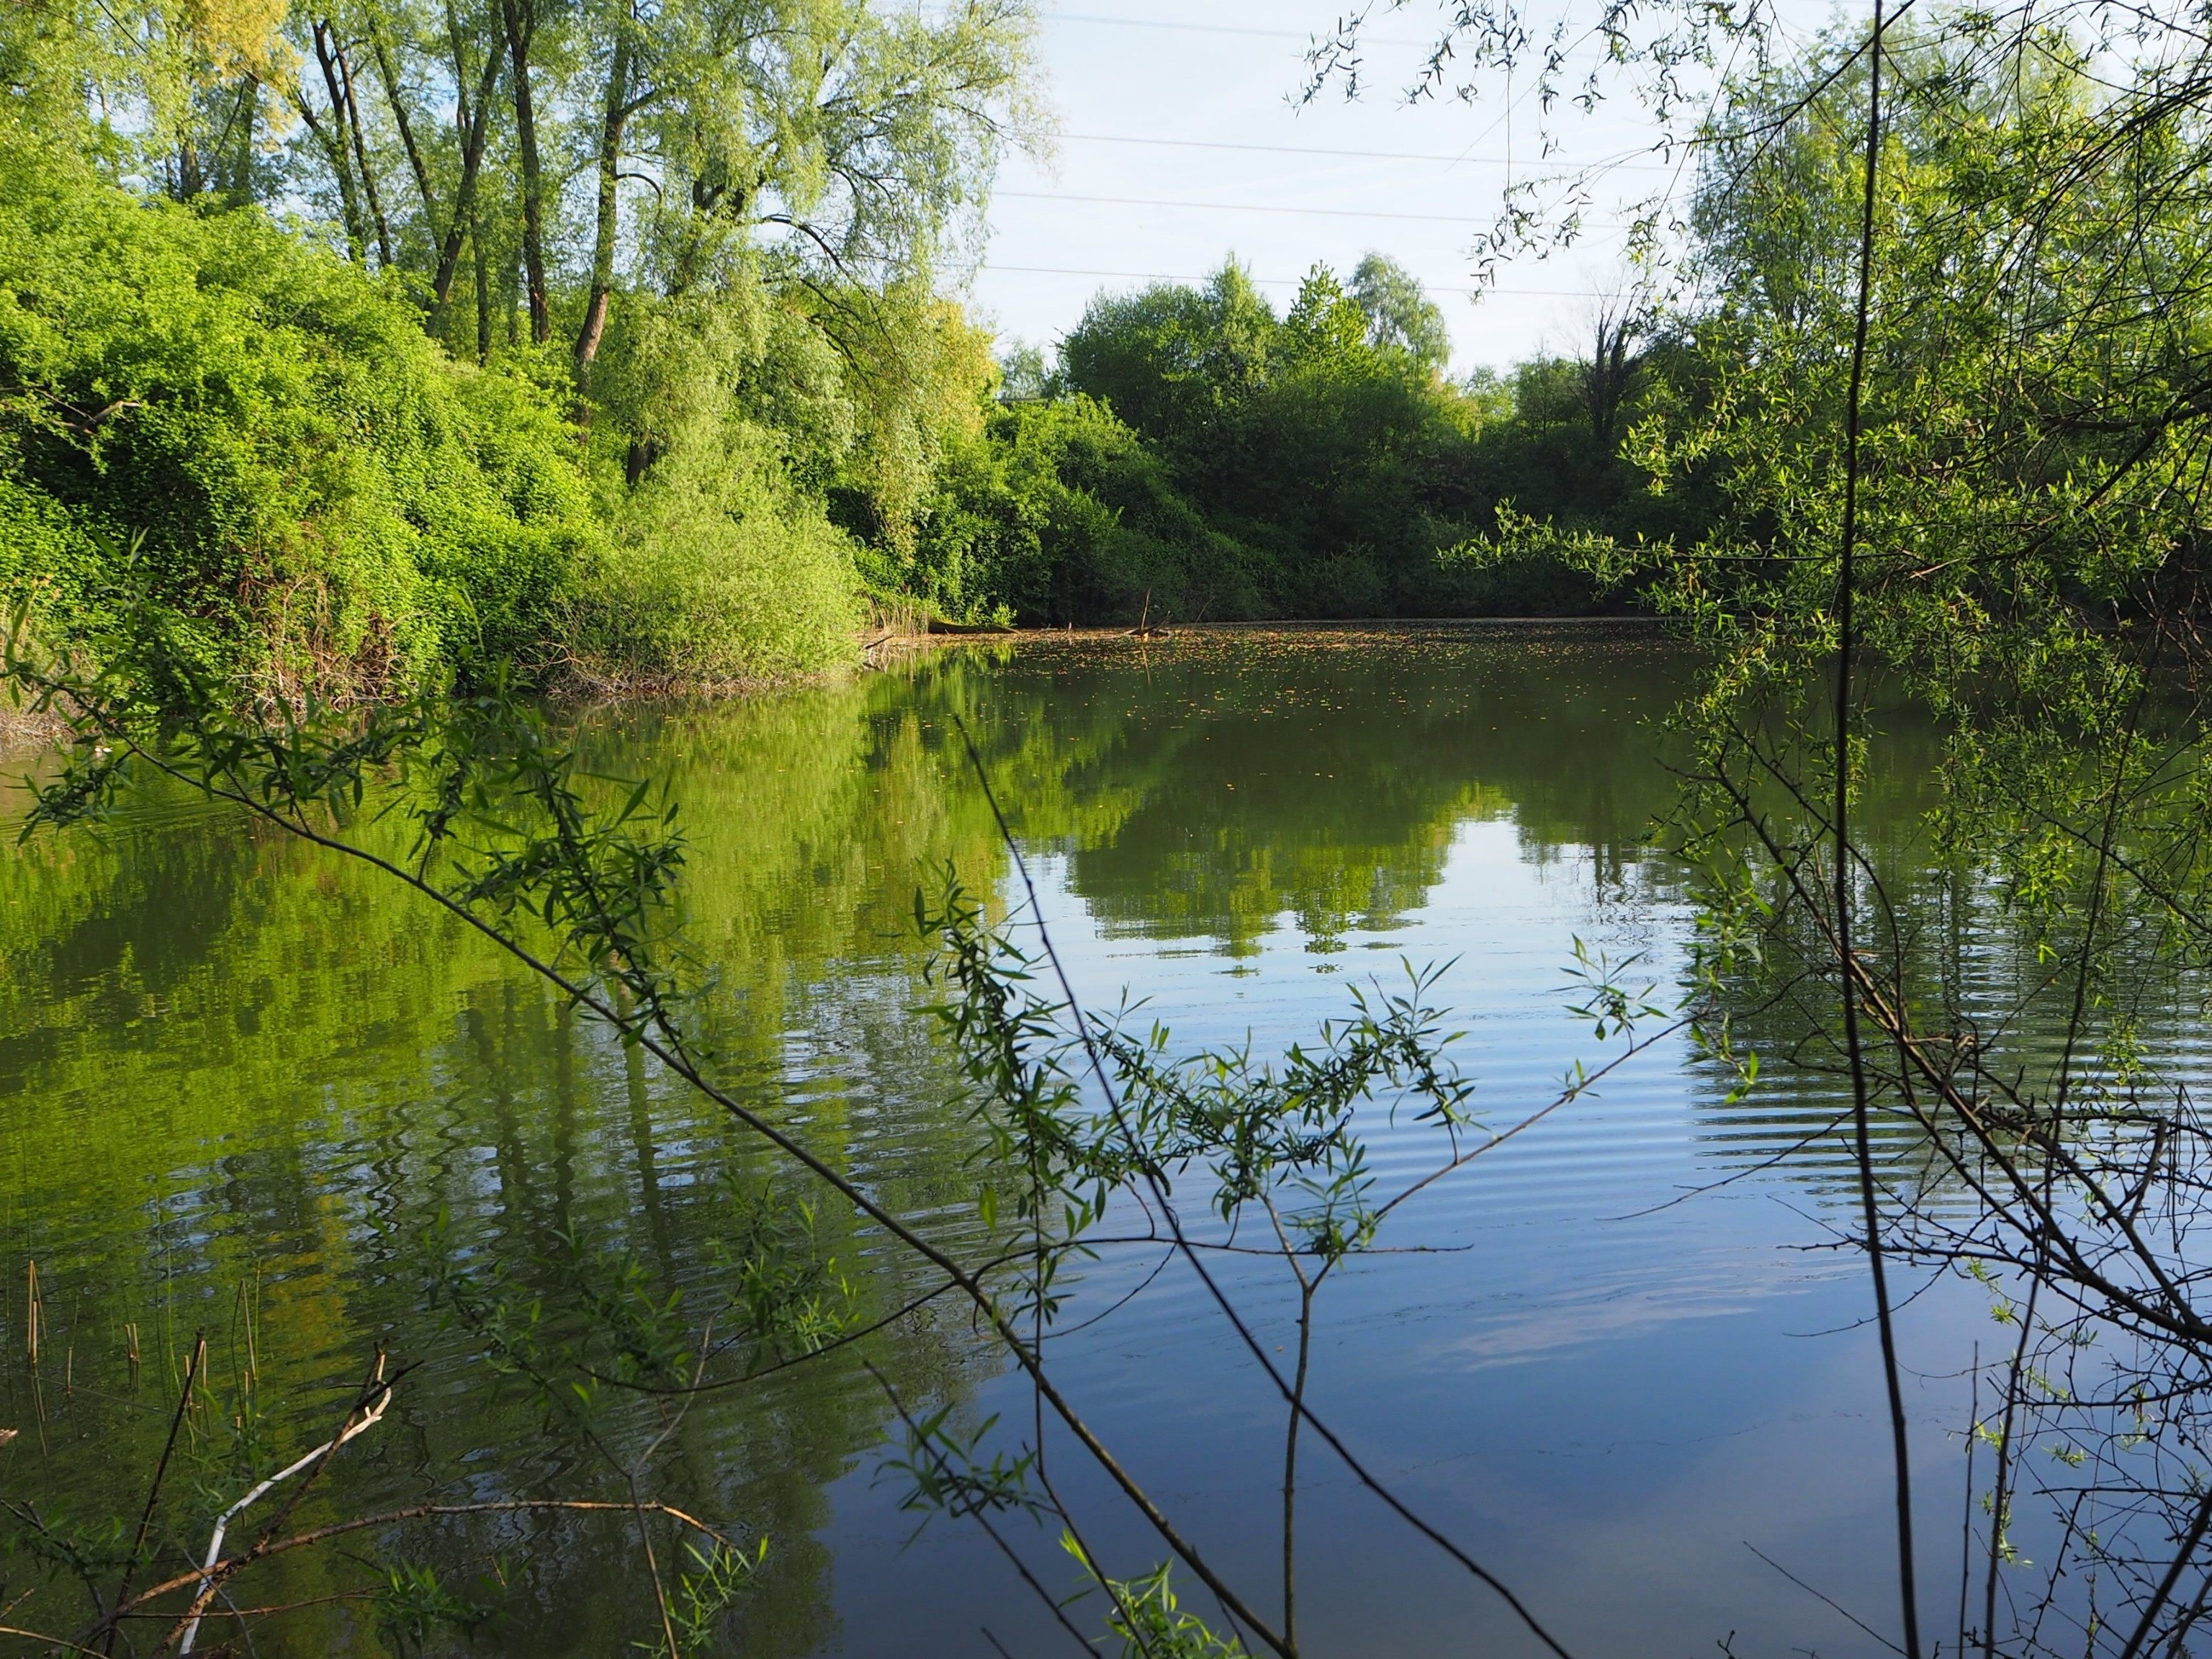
column 248, row 1090
column 1211, row 789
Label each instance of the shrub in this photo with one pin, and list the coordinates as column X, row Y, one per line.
column 332, row 504
column 718, row 572
column 717, row 420
column 1059, row 512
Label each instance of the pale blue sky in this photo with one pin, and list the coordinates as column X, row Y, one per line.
column 1151, row 98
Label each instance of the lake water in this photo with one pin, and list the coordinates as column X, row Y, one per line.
column 252, row 1090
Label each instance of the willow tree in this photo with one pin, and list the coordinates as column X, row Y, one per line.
column 859, row 138
column 856, row 139
column 181, row 99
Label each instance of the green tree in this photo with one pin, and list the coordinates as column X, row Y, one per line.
column 1399, row 312
column 330, row 505
column 1057, row 511
column 1172, row 359
column 1325, row 441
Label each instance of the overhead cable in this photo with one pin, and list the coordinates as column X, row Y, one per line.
column 1239, row 207
column 1350, row 155
column 1306, row 36
column 1268, row 207
column 1283, row 282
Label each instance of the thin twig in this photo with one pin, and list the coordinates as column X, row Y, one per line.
column 370, row 1417
column 162, row 1468
column 1846, row 643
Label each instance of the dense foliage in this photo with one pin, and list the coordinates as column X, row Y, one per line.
column 313, row 310
column 582, row 340
column 1218, row 460
column 331, row 500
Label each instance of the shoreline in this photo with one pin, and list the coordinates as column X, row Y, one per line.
column 22, row 728
column 1288, row 625
column 21, row 732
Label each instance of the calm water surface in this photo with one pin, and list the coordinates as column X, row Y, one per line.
column 250, row 1091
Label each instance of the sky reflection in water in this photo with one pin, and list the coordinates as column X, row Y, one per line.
column 233, row 1074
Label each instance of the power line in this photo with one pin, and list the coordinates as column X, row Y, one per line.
column 1286, row 282
column 1238, row 207
column 1308, row 36
column 1263, row 207
column 1349, row 155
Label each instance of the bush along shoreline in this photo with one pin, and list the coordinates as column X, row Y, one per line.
column 333, row 506
column 309, row 337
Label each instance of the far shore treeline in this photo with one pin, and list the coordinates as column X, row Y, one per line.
column 382, row 341
column 401, row 339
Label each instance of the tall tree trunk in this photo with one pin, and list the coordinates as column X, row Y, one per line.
column 602, row 240
column 333, row 141
column 521, row 25
column 229, row 166
column 473, row 123
column 189, row 179
column 712, row 198
column 248, row 120
column 360, row 155
column 1611, row 369
column 484, row 289
column 397, row 104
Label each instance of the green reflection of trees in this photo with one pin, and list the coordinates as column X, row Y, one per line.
column 236, row 1075
column 1211, row 787
column 1205, row 787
